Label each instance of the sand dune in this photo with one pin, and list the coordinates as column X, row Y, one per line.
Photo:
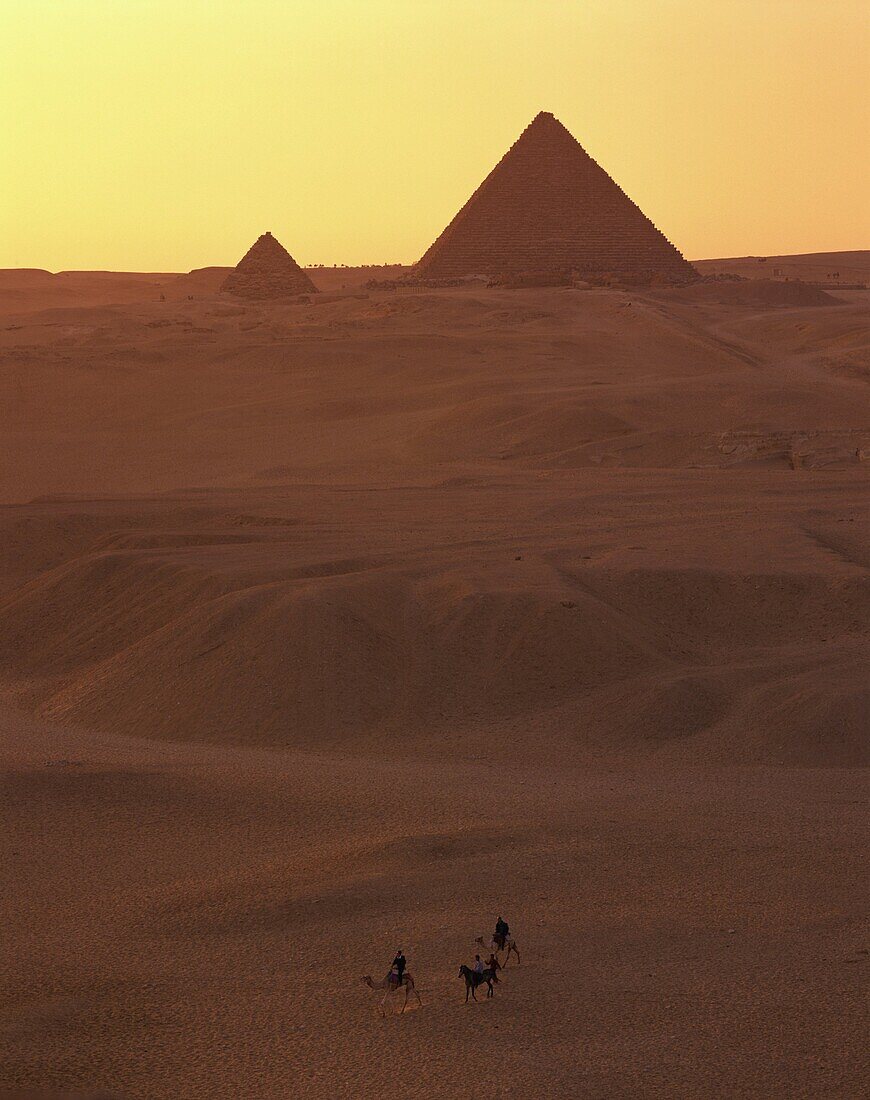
column 341, row 615
column 760, row 293
column 209, row 393
column 332, row 626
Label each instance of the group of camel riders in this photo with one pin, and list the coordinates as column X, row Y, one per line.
column 499, row 939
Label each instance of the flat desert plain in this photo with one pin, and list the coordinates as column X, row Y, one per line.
column 334, row 626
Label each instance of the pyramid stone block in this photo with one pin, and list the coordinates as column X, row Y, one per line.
column 267, row 270
column 548, row 206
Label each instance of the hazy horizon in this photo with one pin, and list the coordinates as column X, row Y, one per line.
column 737, row 129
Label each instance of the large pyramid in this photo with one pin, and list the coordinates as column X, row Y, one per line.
column 545, row 207
column 267, row 270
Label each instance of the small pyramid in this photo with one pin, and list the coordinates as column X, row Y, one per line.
column 548, row 206
column 267, row 270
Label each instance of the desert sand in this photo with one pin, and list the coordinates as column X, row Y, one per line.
column 333, row 626
column 827, row 268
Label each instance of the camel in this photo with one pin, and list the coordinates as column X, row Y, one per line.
column 474, row 979
column 390, row 985
column 501, row 943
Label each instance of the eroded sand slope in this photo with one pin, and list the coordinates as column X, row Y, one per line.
column 331, row 626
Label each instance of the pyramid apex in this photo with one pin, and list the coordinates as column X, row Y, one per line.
column 545, row 118
column 546, row 126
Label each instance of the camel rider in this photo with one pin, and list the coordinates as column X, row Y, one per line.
column 501, row 930
column 399, row 963
column 478, row 965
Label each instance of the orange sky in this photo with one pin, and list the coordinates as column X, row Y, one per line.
column 166, row 135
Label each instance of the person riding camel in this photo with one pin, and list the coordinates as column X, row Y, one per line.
column 399, row 964
column 502, row 931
